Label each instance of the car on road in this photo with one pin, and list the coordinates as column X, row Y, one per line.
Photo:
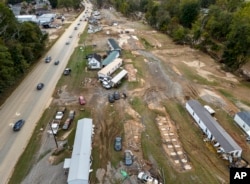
column 116, row 95
column 56, row 62
column 67, row 124
column 70, row 36
column 67, row 71
column 72, row 114
column 111, row 98
column 118, row 144
column 18, row 125
column 67, row 43
column 146, row 178
column 75, row 28
column 40, row 86
column 82, row 100
column 48, row 59
column 128, row 158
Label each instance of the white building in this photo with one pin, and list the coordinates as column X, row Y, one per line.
column 243, row 120
column 25, row 18
column 79, row 164
column 213, row 130
column 110, row 68
column 94, row 62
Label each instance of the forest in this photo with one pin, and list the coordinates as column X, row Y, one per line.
column 220, row 28
column 21, row 44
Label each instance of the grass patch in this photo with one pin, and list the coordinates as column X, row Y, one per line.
column 145, row 43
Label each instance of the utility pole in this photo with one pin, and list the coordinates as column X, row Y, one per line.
column 54, row 135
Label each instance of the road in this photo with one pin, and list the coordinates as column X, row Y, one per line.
column 26, row 102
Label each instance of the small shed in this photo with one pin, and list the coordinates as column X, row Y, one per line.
column 243, row 120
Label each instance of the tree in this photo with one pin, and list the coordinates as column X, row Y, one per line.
column 189, row 12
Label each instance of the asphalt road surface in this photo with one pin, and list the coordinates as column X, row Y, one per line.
column 28, row 103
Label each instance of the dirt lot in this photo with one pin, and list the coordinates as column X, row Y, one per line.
column 160, row 74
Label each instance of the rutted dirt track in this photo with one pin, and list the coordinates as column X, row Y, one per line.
column 162, row 81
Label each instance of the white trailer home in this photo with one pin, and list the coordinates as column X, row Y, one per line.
column 213, row 130
column 110, row 68
column 243, row 120
column 117, row 79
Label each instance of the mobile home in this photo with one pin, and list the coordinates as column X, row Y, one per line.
column 117, row 79
column 243, row 120
column 110, row 68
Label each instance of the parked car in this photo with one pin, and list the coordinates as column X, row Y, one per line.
column 67, row 124
column 145, row 178
column 56, row 62
column 48, row 59
column 72, row 114
column 40, row 86
column 116, row 95
column 67, row 43
column 128, row 158
column 76, row 28
column 82, row 100
column 60, row 113
column 67, row 71
column 118, row 144
column 111, row 98
column 18, row 125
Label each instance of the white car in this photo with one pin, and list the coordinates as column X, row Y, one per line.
column 144, row 177
column 59, row 115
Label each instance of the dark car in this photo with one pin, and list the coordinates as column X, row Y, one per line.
column 111, row 98
column 67, row 43
column 67, row 71
column 18, row 125
column 56, row 62
column 48, row 59
column 82, row 100
column 128, row 158
column 116, row 95
column 39, row 86
column 118, row 144
column 72, row 114
column 67, row 124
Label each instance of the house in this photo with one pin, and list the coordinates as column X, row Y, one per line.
column 214, row 132
column 110, row 68
column 94, row 62
column 110, row 58
column 80, row 162
column 113, row 45
column 243, row 120
column 47, row 18
column 117, row 79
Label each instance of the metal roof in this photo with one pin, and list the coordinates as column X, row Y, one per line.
column 113, row 44
column 119, row 76
column 111, row 57
column 80, row 160
column 245, row 116
column 221, row 136
column 107, row 69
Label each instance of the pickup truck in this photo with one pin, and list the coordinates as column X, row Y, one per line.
column 60, row 113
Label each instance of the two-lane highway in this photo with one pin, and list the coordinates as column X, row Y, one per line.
column 28, row 103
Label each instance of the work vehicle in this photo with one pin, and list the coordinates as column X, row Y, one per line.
column 111, row 98
column 82, row 100
column 118, row 144
column 67, row 124
column 56, row 62
column 18, row 125
column 48, row 59
column 39, row 86
column 60, row 113
column 72, row 114
column 67, row 71
column 128, row 158
column 146, row 178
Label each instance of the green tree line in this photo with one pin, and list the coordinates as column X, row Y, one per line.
column 21, row 44
column 218, row 27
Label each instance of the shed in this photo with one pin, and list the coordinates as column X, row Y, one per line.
column 79, row 164
column 243, row 120
column 212, row 129
column 110, row 58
